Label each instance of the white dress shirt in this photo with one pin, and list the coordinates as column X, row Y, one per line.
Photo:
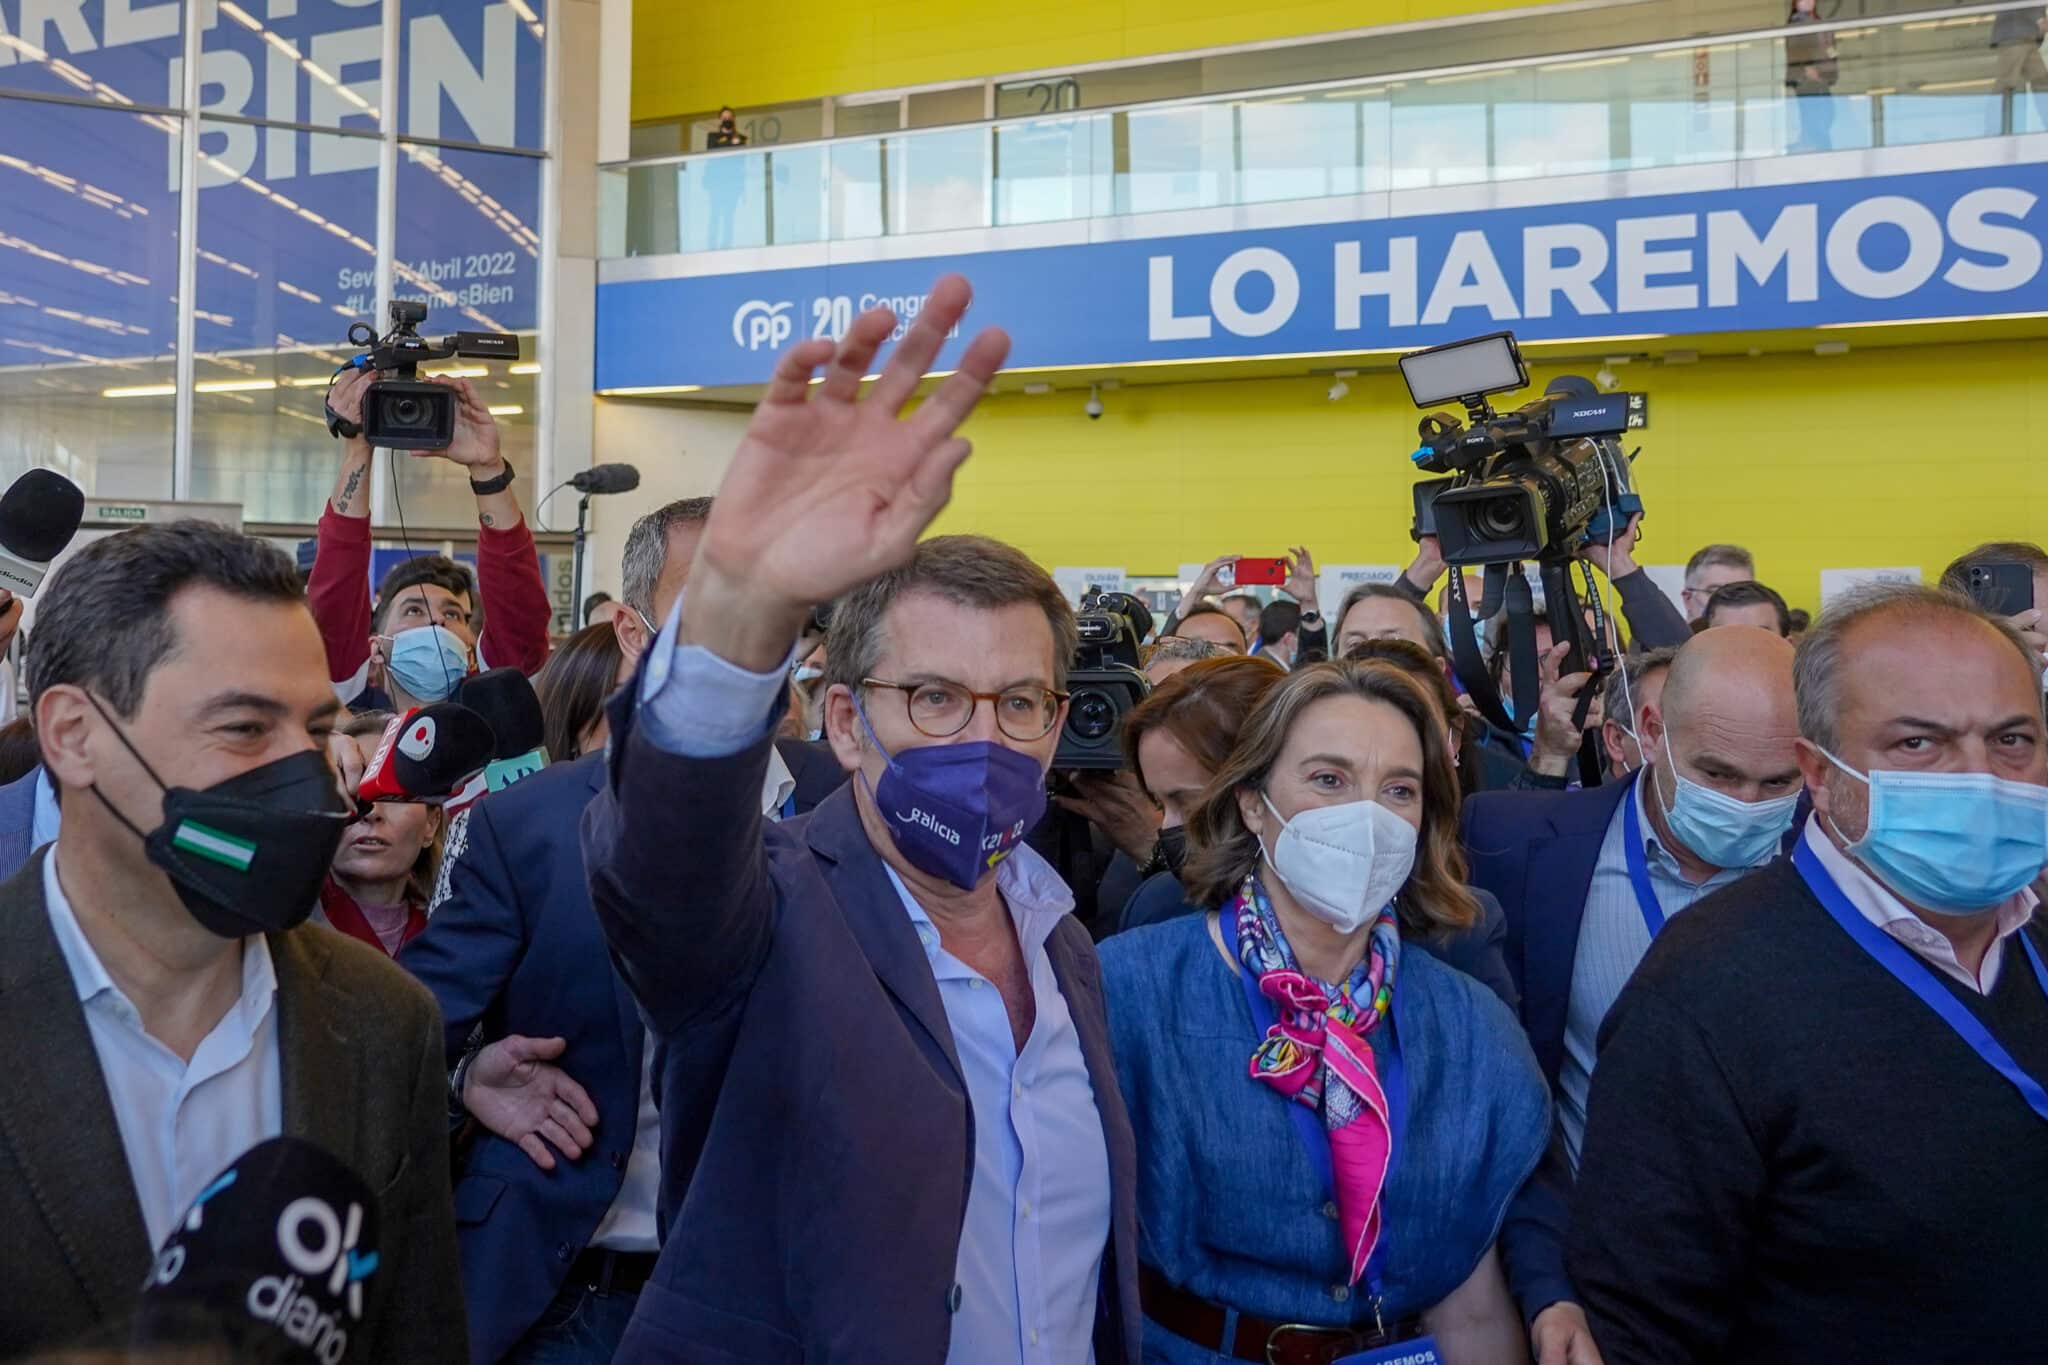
column 43, row 823
column 630, row 1224
column 182, row 1123
column 1876, row 903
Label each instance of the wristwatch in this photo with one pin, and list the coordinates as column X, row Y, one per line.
column 497, row 485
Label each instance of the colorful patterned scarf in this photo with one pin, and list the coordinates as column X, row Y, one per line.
column 1317, row 1054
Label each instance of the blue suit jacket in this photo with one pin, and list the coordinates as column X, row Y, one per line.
column 1535, row 851
column 817, row 1136
column 17, row 823
column 516, row 948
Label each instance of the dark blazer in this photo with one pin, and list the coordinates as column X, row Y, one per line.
column 360, row 1060
column 1535, row 852
column 515, row 947
column 817, row 1136
column 814, row 767
column 17, row 822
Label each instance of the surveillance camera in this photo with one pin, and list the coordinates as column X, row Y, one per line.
column 1338, row 390
column 1094, row 405
column 1606, row 378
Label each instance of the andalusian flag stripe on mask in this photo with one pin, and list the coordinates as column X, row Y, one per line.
column 214, row 845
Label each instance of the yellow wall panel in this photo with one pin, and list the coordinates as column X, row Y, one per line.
column 688, row 58
column 1904, row 455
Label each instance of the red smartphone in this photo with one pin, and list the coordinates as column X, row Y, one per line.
column 1261, row 572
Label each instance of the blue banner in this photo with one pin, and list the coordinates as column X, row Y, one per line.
column 287, row 216
column 1942, row 244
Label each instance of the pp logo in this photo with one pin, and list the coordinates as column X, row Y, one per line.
column 757, row 323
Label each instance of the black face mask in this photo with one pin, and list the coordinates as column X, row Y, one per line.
column 1173, row 848
column 247, row 855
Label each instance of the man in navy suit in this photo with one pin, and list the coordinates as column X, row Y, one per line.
column 891, row 1126
column 1587, row 878
column 556, row 1200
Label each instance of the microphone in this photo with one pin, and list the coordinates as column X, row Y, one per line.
column 606, row 478
column 39, row 514
column 427, row 754
column 275, row 1261
column 504, row 697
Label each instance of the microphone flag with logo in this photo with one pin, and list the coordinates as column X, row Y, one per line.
column 506, row 699
column 427, row 754
column 276, row 1260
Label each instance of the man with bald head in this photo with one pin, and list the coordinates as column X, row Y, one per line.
column 1589, row 878
column 1819, row 1131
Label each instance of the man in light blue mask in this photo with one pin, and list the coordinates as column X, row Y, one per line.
column 1818, row 1128
column 1589, row 878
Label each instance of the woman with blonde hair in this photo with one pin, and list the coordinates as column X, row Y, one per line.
column 1329, row 1129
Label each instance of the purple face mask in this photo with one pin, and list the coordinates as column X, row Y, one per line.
column 956, row 810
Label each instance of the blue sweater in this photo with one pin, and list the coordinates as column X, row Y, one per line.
column 1229, row 1206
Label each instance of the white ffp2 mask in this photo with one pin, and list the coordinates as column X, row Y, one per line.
column 1342, row 863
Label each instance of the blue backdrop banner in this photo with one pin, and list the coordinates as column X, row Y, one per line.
column 1942, row 244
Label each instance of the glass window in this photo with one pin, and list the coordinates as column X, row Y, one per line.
column 1177, row 158
column 939, row 180
column 1051, row 170
column 467, row 243
column 121, row 54
column 724, row 201
column 473, row 70
column 320, row 63
column 937, row 108
column 88, row 295
column 761, row 125
column 281, row 275
column 859, row 118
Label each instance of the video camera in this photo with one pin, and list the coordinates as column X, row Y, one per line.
column 1104, row 683
column 409, row 413
column 1536, row 483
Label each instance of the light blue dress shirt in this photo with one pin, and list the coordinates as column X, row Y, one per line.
column 43, row 824
column 1612, row 942
column 1038, row 1206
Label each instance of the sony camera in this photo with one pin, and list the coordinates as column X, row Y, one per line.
column 1536, row 483
column 407, row 412
column 1104, row 683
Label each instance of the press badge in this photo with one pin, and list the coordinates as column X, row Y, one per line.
column 1420, row 1351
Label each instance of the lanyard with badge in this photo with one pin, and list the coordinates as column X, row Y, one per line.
column 1917, row 977
column 1638, row 859
column 1315, row 1141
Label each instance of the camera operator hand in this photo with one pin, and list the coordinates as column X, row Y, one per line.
column 475, row 447
column 1557, row 738
column 1114, row 803
column 1427, row 567
column 829, row 489
column 1615, row 560
column 1209, row 581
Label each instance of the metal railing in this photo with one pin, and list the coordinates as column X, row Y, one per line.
column 1900, row 80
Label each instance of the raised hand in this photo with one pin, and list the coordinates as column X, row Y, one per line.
column 475, row 443
column 1301, row 578
column 1211, row 579
column 828, row 489
column 1557, row 738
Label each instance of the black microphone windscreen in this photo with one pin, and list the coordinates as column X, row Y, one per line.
column 39, row 514
column 275, row 1261
column 505, row 698
column 607, row 478
column 440, row 747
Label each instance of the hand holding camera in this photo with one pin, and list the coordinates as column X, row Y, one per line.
column 1615, row 559
column 1557, row 738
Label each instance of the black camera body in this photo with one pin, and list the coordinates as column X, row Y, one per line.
column 409, row 413
column 1104, row 684
column 1535, row 483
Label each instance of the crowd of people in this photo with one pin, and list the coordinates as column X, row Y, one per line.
column 801, row 1009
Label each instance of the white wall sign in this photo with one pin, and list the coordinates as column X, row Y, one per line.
column 1835, row 582
column 1671, row 578
column 1335, row 580
column 1076, row 581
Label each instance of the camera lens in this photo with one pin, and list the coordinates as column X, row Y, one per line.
column 1500, row 518
column 1092, row 716
column 406, row 410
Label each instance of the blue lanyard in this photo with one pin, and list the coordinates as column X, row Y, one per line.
column 789, row 807
column 1638, row 859
column 1918, row 978
column 1315, row 1139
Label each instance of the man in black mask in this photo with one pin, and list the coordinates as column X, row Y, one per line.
column 167, row 1005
